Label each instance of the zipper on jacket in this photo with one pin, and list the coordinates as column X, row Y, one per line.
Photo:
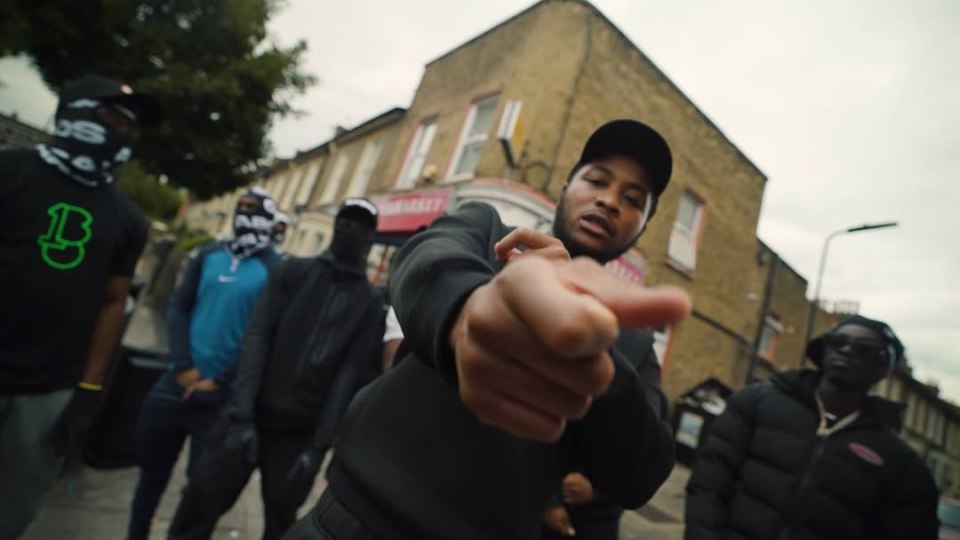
column 792, row 518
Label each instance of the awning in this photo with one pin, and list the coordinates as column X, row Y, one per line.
column 407, row 212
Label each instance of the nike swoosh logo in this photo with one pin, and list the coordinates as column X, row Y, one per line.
column 226, row 279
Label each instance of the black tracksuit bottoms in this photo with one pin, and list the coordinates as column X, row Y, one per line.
column 218, row 480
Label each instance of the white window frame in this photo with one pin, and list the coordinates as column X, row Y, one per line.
column 307, row 183
column 417, row 154
column 294, row 179
column 661, row 343
column 364, row 171
column 332, row 186
column 685, row 237
column 466, row 139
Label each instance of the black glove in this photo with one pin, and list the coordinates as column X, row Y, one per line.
column 70, row 432
column 303, row 472
column 242, row 438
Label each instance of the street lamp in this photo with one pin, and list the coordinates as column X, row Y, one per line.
column 823, row 261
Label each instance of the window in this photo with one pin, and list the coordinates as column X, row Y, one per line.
column 475, row 132
column 293, row 180
column 685, row 237
column 417, row 155
column 336, row 178
column 361, row 176
column 661, row 341
column 911, row 410
column 306, row 184
column 769, row 338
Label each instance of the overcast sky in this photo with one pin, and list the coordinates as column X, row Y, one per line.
column 850, row 108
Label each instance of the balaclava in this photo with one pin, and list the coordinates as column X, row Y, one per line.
column 253, row 231
column 84, row 147
column 350, row 245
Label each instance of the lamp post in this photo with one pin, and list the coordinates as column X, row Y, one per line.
column 823, row 261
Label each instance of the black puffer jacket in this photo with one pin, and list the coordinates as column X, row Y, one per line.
column 763, row 473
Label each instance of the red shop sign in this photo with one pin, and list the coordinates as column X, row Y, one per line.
column 408, row 212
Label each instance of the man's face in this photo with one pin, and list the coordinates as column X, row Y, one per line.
column 854, row 357
column 602, row 208
column 248, row 204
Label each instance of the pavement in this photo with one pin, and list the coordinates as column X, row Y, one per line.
column 95, row 504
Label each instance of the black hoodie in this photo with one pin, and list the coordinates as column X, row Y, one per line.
column 413, row 462
column 313, row 340
column 762, row 471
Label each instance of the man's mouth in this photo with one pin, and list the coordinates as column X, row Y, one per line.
column 596, row 224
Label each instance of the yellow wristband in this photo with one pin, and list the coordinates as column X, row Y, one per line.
column 90, row 386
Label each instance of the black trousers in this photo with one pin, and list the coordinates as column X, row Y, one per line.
column 218, row 479
column 164, row 423
column 590, row 524
column 329, row 520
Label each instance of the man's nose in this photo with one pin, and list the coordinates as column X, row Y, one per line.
column 609, row 200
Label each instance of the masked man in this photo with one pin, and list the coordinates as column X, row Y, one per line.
column 314, row 339
column 68, row 247
column 206, row 321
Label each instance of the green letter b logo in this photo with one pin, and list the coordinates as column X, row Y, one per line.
column 62, row 247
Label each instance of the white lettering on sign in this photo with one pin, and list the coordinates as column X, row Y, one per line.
column 419, row 205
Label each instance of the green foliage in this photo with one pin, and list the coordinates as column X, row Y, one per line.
column 156, row 200
column 190, row 239
column 208, row 61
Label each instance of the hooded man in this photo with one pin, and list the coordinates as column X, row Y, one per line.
column 510, row 378
column 810, row 454
column 206, row 320
column 68, row 247
column 313, row 341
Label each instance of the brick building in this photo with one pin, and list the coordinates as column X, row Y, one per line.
column 16, row 135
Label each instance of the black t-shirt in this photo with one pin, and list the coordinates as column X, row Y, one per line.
column 59, row 243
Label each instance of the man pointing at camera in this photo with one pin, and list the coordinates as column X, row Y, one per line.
column 509, row 377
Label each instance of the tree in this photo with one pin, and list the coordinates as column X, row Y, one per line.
column 209, row 62
column 155, row 199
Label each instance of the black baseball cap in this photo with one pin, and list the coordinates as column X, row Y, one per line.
column 148, row 110
column 359, row 209
column 635, row 140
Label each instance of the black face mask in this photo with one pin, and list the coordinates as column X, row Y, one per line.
column 349, row 245
column 84, row 147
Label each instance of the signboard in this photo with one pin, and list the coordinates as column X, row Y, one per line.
column 407, row 212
